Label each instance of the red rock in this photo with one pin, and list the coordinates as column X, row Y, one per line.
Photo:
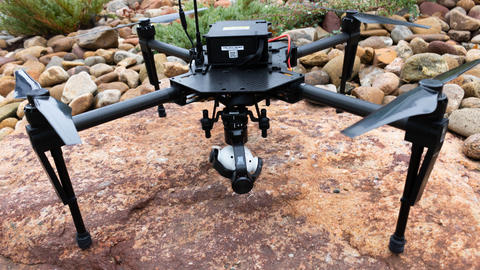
column 151, row 4
column 5, row 60
column 430, row 8
column 440, row 47
column 331, row 22
column 474, row 12
column 222, row 3
column 133, row 41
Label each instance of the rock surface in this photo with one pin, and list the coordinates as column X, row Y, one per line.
column 167, row 207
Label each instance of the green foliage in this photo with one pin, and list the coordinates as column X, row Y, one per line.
column 283, row 17
column 47, row 17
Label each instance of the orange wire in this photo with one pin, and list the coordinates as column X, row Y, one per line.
column 289, row 45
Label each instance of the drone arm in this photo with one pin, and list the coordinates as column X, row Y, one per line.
column 169, row 49
column 108, row 113
column 345, row 103
column 321, row 44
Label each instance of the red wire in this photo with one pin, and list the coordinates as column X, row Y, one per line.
column 289, row 45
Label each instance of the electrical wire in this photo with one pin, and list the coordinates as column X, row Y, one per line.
column 288, row 49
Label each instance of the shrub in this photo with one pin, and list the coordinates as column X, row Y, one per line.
column 282, row 17
column 47, row 17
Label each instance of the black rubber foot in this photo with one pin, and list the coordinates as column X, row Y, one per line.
column 84, row 240
column 397, row 244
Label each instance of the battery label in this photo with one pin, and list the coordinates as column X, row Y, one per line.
column 236, row 28
column 232, row 50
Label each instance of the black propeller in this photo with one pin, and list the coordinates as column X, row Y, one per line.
column 418, row 101
column 370, row 18
column 57, row 114
column 159, row 19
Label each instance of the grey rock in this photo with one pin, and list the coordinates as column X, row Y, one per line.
column 92, row 60
column 176, row 59
column 400, row 32
column 423, row 66
column 107, row 97
column 455, row 95
column 54, row 62
column 465, row 122
column 78, row 85
column 120, row 55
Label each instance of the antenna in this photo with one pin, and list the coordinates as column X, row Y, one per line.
column 199, row 54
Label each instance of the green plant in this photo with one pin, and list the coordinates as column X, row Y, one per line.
column 47, row 17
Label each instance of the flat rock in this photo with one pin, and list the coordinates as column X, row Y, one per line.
column 81, row 103
column 107, row 97
column 93, row 60
column 144, row 185
column 423, row 66
column 455, row 95
column 470, row 102
column 465, row 122
column 98, row 40
column 384, row 56
column 429, row 37
column 334, row 69
column 440, row 47
column 8, row 110
column 460, row 21
column 53, row 75
column 370, row 94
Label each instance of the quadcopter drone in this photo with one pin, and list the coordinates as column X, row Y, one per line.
column 239, row 67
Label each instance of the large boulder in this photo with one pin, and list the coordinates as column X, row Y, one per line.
column 150, row 199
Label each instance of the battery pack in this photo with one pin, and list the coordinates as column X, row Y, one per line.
column 238, row 43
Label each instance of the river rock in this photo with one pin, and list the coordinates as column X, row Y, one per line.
column 98, row 40
column 435, row 26
column 315, row 77
column 472, row 89
column 455, row 95
column 8, row 110
column 53, row 75
column 431, row 8
column 4, row 132
column 453, row 61
column 81, row 103
column 106, row 78
column 127, row 62
column 471, row 146
column 459, row 35
column 384, row 56
column 470, row 102
column 403, row 49
column 459, row 21
column 57, row 91
column 308, row 33
column 388, row 99
column 107, row 97
column 370, row 94
column 376, row 42
column 419, row 45
column 423, row 66
column 174, row 69
column 77, row 85
column 440, row 47
column 400, row 32
column 7, row 84
column 8, row 122
column 108, row 55
column 319, row 58
column 331, row 22
column 121, row 55
column 396, row 66
column 34, row 51
column 121, row 86
column 93, row 60
column 35, row 41
column 100, row 69
column 128, row 76
column 64, row 44
column 135, row 92
column 334, row 69
column 465, row 121
column 472, row 55
column 367, row 75
column 466, row 4
column 387, row 82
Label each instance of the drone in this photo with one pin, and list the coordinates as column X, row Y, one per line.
column 240, row 66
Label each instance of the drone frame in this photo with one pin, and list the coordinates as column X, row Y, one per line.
column 424, row 131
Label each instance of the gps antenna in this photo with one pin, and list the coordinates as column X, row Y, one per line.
column 199, row 54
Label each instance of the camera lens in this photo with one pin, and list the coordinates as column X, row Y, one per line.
column 242, row 185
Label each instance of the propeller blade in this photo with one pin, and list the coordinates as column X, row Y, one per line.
column 59, row 116
column 24, row 84
column 454, row 73
column 172, row 17
column 369, row 18
column 416, row 102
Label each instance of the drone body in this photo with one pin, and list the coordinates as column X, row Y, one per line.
column 238, row 77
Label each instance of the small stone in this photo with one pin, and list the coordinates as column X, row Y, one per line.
column 34, row 68
column 7, row 84
column 419, row 45
column 396, row 66
column 334, row 69
column 122, row 87
column 472, row 55
column 376, row 42
column 53, row 75
column 125, row 46
column 140, row 90
column 63, row 44
column 466, row 4
column 71, row 64
column 387, row 82
column 93, row 60
column 431, row 8
column 455, row 95
column 57, row 91
column 335, row 52
column 403, row 49
column 4, row 132
column 174, row 69
column 440, row 47
column 127, row 62
column 470, row 102
column 390, row 27
column 128, row 76
column 8, row 122
column 400, row 32
column 459, row 9
column 384, row 56
column 109, row 77
column 107, row 97
column 472, row 89
column 423, row 66
column 100, row 69
column 447, row 3
column 435, row 26
column 459, row 21
column 20, row 109
column 465, row 121
column 460, row 50
column 77, row 85
column 459, row 35
column 334, row 191
column 429, row 37
column 81, row 103
column 120, row 55
column 35, row 41
column 176, row 59
column 317, row 77
column 69, row 57
column 370, row 94
column 106, row 54
column 471, row 146
column 319, row 58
